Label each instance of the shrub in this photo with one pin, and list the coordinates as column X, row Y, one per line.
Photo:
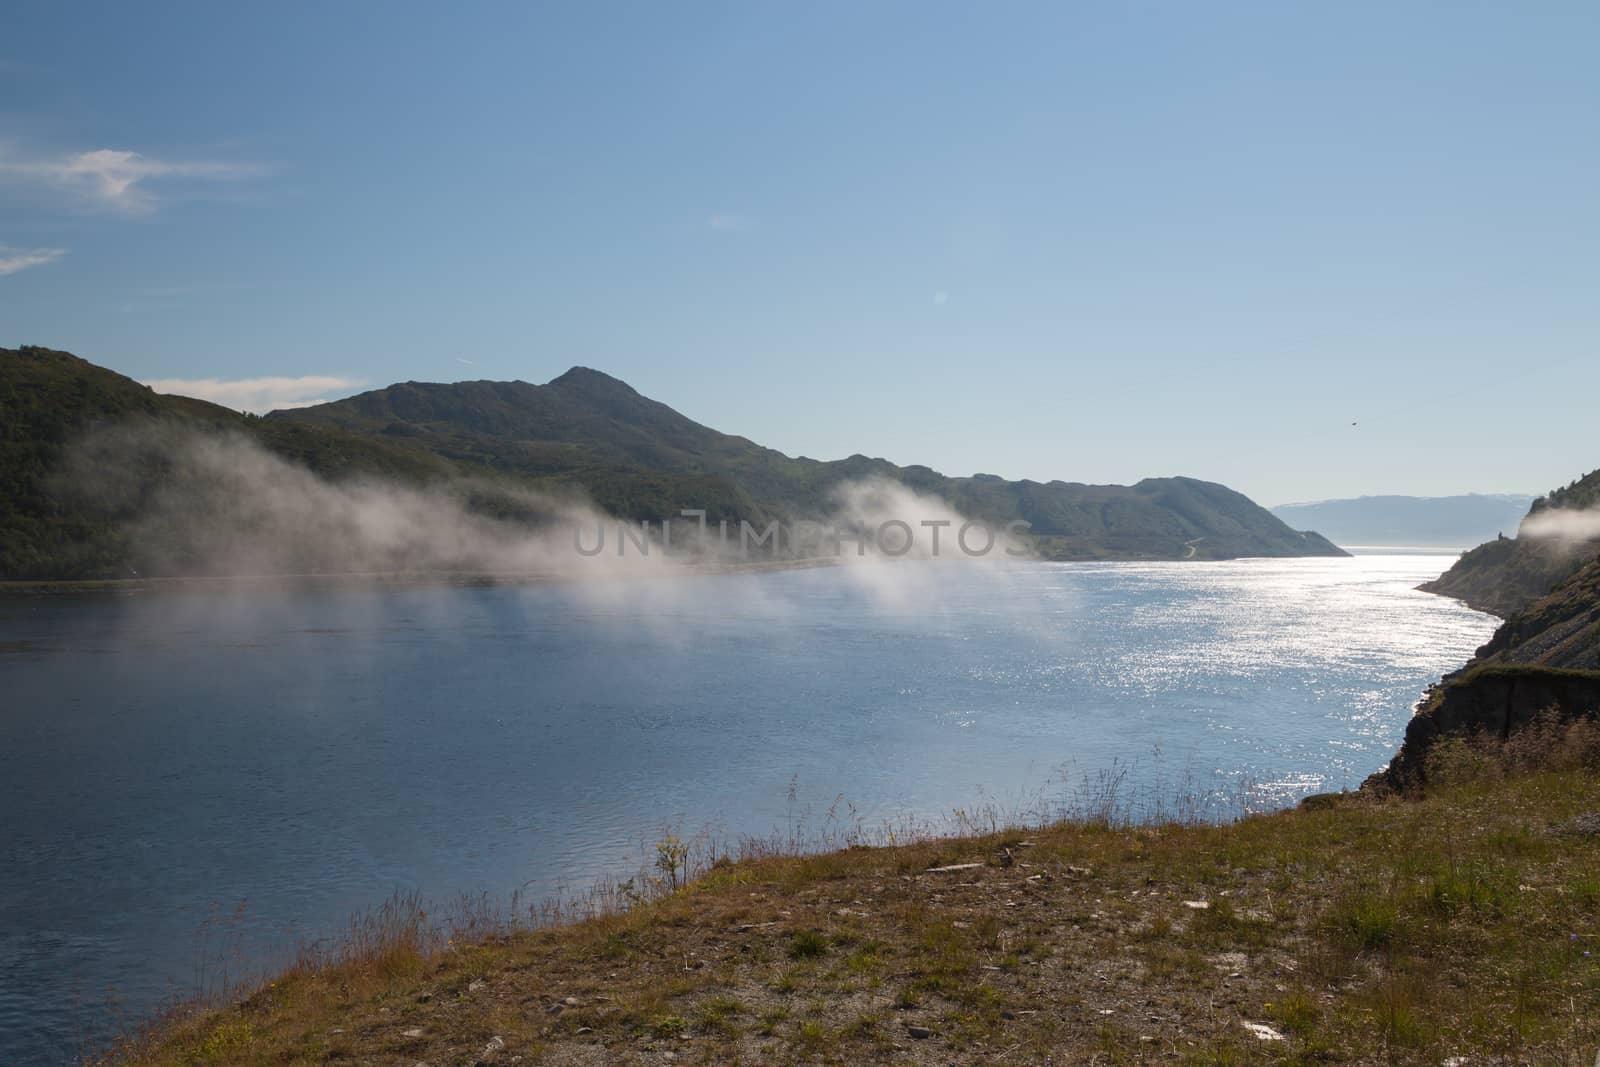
column 807, row 944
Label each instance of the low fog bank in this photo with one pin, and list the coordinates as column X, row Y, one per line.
column 1562, row 524
column 190, row 503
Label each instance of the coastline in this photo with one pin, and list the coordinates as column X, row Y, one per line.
column 1355, row 930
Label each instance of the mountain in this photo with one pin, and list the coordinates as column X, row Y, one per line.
column 1557, row 538
column 586, row 422
column 1452, row 522
column 97, row 477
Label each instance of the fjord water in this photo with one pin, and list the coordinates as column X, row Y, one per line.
column 194, row 782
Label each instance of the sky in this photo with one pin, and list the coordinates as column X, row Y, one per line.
column 1307, row 250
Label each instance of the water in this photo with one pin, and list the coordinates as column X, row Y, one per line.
column 189, row 778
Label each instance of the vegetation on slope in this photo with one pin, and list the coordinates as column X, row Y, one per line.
column 49, row 400
column 85, row 452
column 1561, row 629
column 584, row 419
column 1460, row 927
column 1507, row 574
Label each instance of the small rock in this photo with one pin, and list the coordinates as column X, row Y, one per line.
column 474, row 985
column 921, row 1033
column 1262, row 1031
column 1008, row 1015
column 423, row 998
column 1585, row 825
column 571, row 1002
column 1197, row 905
column 414, row 1033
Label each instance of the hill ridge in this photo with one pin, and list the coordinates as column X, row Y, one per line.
column 584, row 434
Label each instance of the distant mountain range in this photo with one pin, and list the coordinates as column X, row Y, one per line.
column 1449, row 522
column 495, row 444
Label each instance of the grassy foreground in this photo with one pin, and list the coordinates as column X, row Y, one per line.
column 1455, row 928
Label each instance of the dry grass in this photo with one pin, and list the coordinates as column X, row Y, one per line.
column 1360, row 931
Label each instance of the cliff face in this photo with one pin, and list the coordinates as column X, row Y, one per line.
column 1492, row 700
column 1545, row 656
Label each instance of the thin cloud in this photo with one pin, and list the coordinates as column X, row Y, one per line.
column 259, row 394
column 727, row 222
column 15, row 259
column 1564, row 524
column 117, row 180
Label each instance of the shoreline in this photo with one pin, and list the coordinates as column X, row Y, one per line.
column 1347, row 931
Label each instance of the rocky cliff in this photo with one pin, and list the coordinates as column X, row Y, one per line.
column 1545, row 656
column 1493, row 700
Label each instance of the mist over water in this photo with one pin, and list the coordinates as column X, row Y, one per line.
column 280, row 760
column 219, row 504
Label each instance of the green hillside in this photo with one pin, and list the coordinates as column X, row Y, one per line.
column 585, row 421
column 60, row 520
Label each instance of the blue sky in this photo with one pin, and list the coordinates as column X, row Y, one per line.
column 1091, row 242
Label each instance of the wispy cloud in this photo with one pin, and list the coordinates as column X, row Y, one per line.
column 1564, row 524
column 117, row 180
column 259, row 394
column 15, row 259
column 727, row 221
